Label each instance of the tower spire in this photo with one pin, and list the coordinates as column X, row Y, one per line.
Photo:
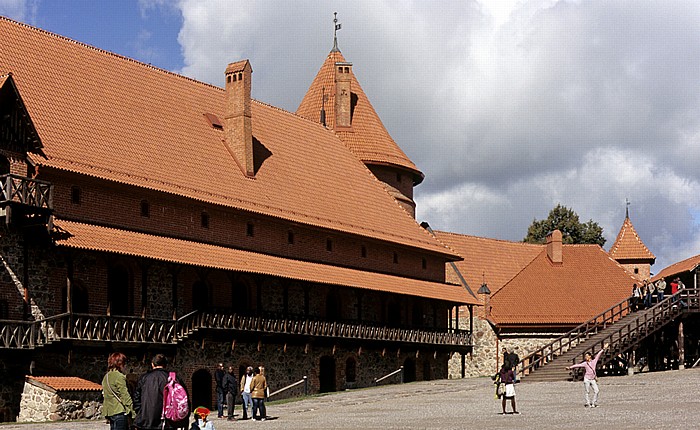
column 335, row 32
column 627, row 208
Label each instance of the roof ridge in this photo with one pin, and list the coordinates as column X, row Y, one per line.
column 490, row 238
column 522, row 269
column 104, row 51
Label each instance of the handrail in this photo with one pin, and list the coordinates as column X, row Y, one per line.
column 399, row 370
column 548, row 352
column 646, row 322
column 304, row 380
column 29, row 191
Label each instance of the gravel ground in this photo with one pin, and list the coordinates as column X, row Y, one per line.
column 642, row 401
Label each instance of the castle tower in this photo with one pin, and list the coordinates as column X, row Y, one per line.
column 336, row 100
column 630, row 251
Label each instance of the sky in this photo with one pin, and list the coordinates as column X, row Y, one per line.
column 508, row 107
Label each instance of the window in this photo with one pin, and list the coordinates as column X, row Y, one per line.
column 329, row 245
column 396, row 258
column 363, row 251
column 205, row 220
column 250, row 229
column 75, row 195
column 145, row 209
column 425, row 263
column 636, row 270
column 290, row 237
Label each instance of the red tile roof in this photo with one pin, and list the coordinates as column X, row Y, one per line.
column 124, row 242
column 677, row 268
column 111, row 117
column 628, row 245
column 496, row 261
column 368, row 140
column 67, row 383
column 588, row 282
column 528, row 289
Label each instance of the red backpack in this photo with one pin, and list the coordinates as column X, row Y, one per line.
column 175, row 402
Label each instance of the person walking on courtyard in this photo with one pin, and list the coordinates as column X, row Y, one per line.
column 117, row 408
column 148, row 398
column 507, row 376
column 230, row 389
column 220, row 394
column 246, row 380
column 590, row 377
column 258, row 388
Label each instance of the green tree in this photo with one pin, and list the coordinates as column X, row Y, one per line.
column 566, row 221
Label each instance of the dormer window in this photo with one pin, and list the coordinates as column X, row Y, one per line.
column 75, row 195
column 145, row 209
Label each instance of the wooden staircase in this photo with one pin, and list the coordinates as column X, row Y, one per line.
column 618, row 326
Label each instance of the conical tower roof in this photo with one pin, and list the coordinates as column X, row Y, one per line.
column 628, row 245
column 368, row 139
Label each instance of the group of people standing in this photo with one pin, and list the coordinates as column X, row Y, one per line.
column 142, row 407
column 253, row 389
column 643, row 295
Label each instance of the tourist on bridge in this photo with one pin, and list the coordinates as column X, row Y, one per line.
column 660, row 289
column 590, row 377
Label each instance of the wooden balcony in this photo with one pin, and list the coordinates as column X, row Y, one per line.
column 26, row 201
column 104, row 328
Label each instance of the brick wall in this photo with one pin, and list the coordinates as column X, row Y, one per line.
column 181, row 217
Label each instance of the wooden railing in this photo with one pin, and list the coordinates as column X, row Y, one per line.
column 87, row 327
column 643, row 323
column 627, row 332
column 318, row 328
column 27, row 191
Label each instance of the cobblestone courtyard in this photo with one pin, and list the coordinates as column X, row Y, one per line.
column 663, row 400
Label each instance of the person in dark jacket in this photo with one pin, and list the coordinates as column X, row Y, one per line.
column 148, row 397
column 220, row 392
column 231, row 390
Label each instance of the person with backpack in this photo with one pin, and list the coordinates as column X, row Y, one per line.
column 151, row 399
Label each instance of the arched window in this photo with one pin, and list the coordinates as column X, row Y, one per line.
column 350, row 370
column 79, row 298
column 200, row 296
column 118, row 290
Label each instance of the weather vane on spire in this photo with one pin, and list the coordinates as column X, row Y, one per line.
column 335, row 32
column 627, row 208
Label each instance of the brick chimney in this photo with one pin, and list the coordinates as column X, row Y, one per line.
column 554, row 247
column 237, row 117
column 343, row 96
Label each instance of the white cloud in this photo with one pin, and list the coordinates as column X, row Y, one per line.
column 20, row 10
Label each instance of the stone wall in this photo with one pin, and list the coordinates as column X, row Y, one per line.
column 40, row 404
column 487, row 358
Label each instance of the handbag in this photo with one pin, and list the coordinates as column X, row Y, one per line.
column 501, row 389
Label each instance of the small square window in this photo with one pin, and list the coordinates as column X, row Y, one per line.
column 205, row 220
column 145, row 209
column 329, row 245
column 290, row 237
column 250, row 229
column 75, row 195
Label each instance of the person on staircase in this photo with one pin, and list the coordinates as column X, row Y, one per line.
column 590, row 377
